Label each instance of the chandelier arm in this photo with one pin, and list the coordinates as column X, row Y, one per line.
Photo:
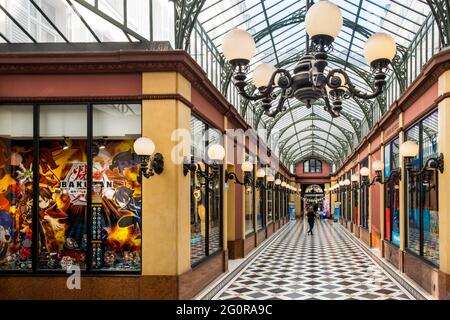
column 334, row 84
column 241, row 85
column 328, row 107
column 278, row 109
column 265, row 92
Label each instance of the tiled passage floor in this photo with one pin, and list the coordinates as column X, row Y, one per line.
column 326, row 266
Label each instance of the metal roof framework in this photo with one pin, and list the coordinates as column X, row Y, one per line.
column 279, row 30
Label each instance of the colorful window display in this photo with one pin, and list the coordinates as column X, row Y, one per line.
column 392, row 193
column 422, row 192
column 206, row 195
column 94, row 230
column 116, row 207
column 16, row 188
column 116, row 188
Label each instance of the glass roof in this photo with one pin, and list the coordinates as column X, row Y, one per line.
column 279, row 30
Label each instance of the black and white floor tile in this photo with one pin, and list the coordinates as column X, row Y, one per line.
column 324, row 266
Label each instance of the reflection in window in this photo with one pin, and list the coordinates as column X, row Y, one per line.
column 248, row 207
column 116, row 199
column 198, row 204
column 392, row 193
column 422, row 195
column 206, row 198
column 16, row 187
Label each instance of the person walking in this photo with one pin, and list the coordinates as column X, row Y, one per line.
column 311, row 215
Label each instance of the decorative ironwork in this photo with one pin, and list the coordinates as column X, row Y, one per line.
column 186, row 14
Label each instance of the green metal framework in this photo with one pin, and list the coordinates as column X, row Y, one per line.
column 420, row 27
column 278, row 29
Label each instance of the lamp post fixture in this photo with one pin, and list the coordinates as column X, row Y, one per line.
column 378, row 167
column 150, row 164
column 355, row 181
column 409, row 150
column 216, row 154
column 308, row 82
column 247, row 168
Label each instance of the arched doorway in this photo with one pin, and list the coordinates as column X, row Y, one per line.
column 313, row 194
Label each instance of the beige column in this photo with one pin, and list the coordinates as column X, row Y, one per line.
column 444, row 178
column 165, row 197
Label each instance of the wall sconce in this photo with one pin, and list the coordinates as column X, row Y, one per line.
column 378, row 167
column 355, row 181
column 216, row 154
column 270, row 181
column 365, row 172
column 247, row 168
column 347, row 184
column 409, row 150
column 150, row 164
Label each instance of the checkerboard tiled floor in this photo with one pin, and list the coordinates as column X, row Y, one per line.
column 325, row 266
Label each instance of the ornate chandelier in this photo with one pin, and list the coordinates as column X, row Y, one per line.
column 308, row 82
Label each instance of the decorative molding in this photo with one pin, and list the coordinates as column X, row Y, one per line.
column 126, row 98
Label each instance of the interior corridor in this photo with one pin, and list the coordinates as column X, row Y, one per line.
column 325, row 266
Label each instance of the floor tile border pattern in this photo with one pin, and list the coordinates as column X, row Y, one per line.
column 236, row 272
column 400, row 279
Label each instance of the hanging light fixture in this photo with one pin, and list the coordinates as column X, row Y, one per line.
column 308, row 82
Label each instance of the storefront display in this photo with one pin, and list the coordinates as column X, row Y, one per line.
column 206, row 195
column 422, row 192
column 16, row 200
column 392, row 192
column 88, row 219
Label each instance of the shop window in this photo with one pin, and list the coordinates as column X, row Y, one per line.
column 355, row 194
column 270, row 204
column 312, row 166
column 62, row 187
column 422, row 193
column 364, row 199
column 249, row 204
column 206, row 195
column 16, row 187
column 392, row 193
column 260, row 208
column 116, row 188
column 277, row 206
column 87, row 194
column 215, row 200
